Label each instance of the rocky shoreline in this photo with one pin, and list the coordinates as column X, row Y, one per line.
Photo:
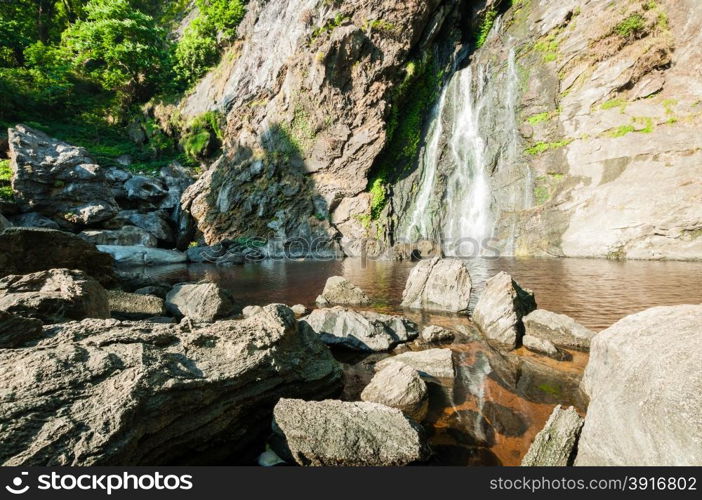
column 187, row 375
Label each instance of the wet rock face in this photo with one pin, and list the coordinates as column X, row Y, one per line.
column 555, row 445
column 113, row 385
column 336, row 433
column 314, row 115
column 361, row 331
column 25, row 250
column 340, row 291
column 643, row 380
column 58, row 180
column 438, row 285
column 399, row 386
column 54, row 296
column 500, row 310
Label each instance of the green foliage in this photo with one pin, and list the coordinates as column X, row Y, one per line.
column 621, row 131
column 542, row 147
column 631, row 27
column 614, row 103
column 539, row 118
column 5, row 178
column 223, row 15
column 549, row 46
column 485, row 26
column 379, row 25
column 411, row 103
column 201, row 134
column 119, row 47
column 330, row 26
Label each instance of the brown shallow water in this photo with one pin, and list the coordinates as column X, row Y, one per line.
column 491, row 412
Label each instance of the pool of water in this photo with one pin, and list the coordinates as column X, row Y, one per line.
column 491, row 412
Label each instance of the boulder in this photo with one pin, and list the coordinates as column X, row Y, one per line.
column 153, row 222
column 142, row 256
column 545, row 347
column 33, row 219
column 249, row 311
column 142, row 188
column 28, row 250
column 643, row 379
column 155, row 290
column 559, row 329
column 204, row 302
column 132, row 306
column 399, row 386
column 58, row 180
column 556, row 444
column 431, row 364
column 127, row 236
column 441, row 285
column 54, row 296
column 435, row 333
column 299, row 310
column 500, row 310
column 336, row 433
column 16, row 330
column 340, row 291
column 102, row 392
column 361, row 331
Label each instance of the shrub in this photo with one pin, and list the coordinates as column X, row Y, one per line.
column 631, row 27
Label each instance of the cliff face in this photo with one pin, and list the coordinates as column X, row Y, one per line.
column 572, row 131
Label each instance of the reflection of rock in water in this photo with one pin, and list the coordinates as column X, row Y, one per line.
column 468, row 427
column 461, row 455
column 505, row 421
column 472, row 378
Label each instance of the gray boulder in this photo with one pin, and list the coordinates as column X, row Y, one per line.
column 249, row 311
column 399, row 386
column 643, row 379
column 500, row 310
column 153, row 222
column 340, row 291
column 16, row 330
column 361, row 331
column 33, row 219
column 28, row 250
column 431, row 364
column 142, row 188
column 435, row 333
column 299, row 310
column 126, row 236
column 559, row 329
column 336, row 433
column 545, row 347
column 203, row 302
column 132, row 306
column 54, row 296
column 142, row 256
column 101, row 392
column 441, row 285
column 555, row 445
column 58, row 180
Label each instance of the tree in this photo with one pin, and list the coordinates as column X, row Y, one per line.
column 119, row 47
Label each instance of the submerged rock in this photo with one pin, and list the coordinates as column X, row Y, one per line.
column 435, row 333
column 204, row 302
column 25, row 250
column 438, row 285
column 643, row 379
column 336, row 433
column 150, row 394
column 340, row 291
column 58, row 180
column 361, row 331
column 558, row 329
column 16, row 330
column 431, row 364
column 500, row 310
column 54, row 296
column 133, row 306
column 399, row 386
column 143, row 256
column 556, row 444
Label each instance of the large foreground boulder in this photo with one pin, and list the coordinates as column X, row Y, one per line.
column 204, row 302
column 28, row 250
column 16, row 330
column 399, row 386
column 101, row 392
column 58, row 180
column 559, row 329
column 500, row 310
column 335, row 433
column 438, row 285
column 54, row 296
column 644, row 379
column 555, row 445
column 139, row 256
column 340, row 291
column 361, row 331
